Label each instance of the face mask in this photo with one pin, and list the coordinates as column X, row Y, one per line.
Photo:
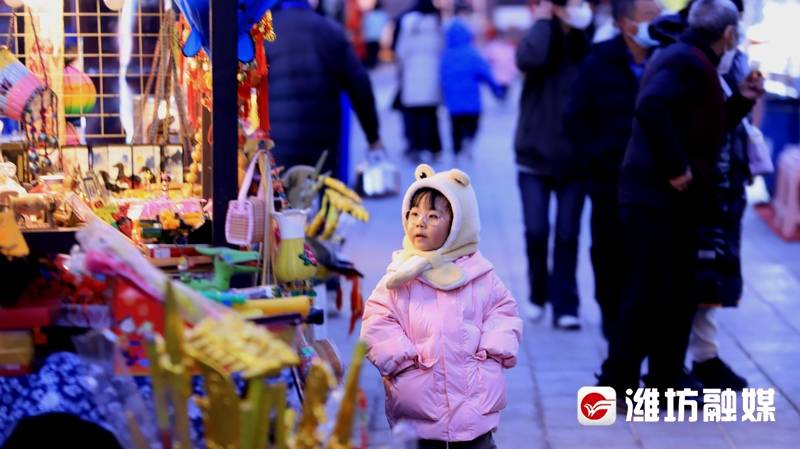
column 642, row 36
column 578, row 17
column 726, row 61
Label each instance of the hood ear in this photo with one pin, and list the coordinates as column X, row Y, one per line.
column 424, row 171
column 459, row 177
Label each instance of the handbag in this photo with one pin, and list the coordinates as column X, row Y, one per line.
column 758, row 151
column 377, row 176
column 246, row 217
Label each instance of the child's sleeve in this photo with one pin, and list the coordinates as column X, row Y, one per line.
column 502, row 326
column 388, row 346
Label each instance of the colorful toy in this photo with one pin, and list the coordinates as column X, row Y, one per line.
column 226, row 264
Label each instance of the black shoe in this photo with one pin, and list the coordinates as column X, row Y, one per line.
column 715, row 373
column 686, row 380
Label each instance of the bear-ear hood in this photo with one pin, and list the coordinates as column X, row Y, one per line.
column 437, row 267
column 455, row 185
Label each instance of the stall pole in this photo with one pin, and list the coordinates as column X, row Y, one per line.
column 224, row 66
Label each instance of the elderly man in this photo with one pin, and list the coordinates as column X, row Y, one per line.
column 666, row 184
column 599, row 123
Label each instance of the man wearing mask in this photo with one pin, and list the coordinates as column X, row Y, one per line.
column 666, row 187
column 549, row 56
column 599, row 123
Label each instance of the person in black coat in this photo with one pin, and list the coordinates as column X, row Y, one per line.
column 311, row 65
column 666, row 185
column 549, row 56
column 599, row 123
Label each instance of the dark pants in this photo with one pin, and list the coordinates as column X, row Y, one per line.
column 484, row 441
column 657, row 310
column 559, row 286
column 373, row 51
column 464, row 129
column 607, row 259
column 422, row 128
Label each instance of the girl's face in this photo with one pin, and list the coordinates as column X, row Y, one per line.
column 427, row 228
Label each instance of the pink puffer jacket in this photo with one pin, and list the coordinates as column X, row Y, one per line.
column 442, row 353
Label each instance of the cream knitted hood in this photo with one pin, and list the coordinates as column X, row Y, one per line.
column 437, row 266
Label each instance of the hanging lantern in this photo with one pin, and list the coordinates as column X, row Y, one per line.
column 80, row 95
column 19, row 87
column 114, row 5
column 13, row 3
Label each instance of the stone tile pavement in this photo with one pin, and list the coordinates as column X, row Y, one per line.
column 760, row 339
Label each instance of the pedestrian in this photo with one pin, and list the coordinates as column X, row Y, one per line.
column 550, row 56
column 418, row 53
column 463, row 70
column 440, row 326
column 599, row 123
column 718, row 278
column 374, row 26
column 310, row 67
column 667, row 185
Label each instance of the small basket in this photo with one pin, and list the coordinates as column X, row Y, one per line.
column 246, row 217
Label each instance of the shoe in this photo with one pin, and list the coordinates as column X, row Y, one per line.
column 686, row 380
column 532, row 312
column 714, row 373
column 568, row 323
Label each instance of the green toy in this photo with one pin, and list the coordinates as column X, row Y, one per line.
column 226, row 264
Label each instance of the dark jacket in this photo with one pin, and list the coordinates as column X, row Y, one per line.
column 463, row 70
column 600, row 113
column 718, row 277
column 550, row 61
column 310, row 65
column 679, row 122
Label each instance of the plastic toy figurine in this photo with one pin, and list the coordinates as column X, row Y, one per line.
column 226, row 263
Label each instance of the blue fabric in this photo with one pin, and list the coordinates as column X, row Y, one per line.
column 65, row 384
column 462, row 72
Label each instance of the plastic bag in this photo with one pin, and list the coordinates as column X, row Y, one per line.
column 377, row 176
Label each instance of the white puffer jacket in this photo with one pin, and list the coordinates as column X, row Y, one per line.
column 419, row 50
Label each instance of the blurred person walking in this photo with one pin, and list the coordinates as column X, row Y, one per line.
column 463, row 70
column 311, row 66
column 418, row 51
column 549, row 56
column 375, row 22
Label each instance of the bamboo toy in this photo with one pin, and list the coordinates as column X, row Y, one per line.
column 343, row 431
column 319, row 382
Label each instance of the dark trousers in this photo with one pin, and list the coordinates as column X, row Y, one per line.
column 373, row 51
column 464, row 128
column 657, row 309
column 484, row 441
column 559, row 286
column 607, row 258
column 422, row 128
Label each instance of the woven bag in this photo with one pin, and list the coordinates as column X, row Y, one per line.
column 245, row 220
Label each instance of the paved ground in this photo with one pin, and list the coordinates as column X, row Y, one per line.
column 761, row 339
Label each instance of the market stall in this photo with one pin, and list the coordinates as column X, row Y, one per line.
column 154, row 247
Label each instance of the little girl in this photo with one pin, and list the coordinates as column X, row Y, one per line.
column 440, row 326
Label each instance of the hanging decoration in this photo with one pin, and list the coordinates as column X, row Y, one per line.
column 80, row 95
column 196, row 12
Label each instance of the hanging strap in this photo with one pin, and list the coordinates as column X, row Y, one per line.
column 248, row 177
